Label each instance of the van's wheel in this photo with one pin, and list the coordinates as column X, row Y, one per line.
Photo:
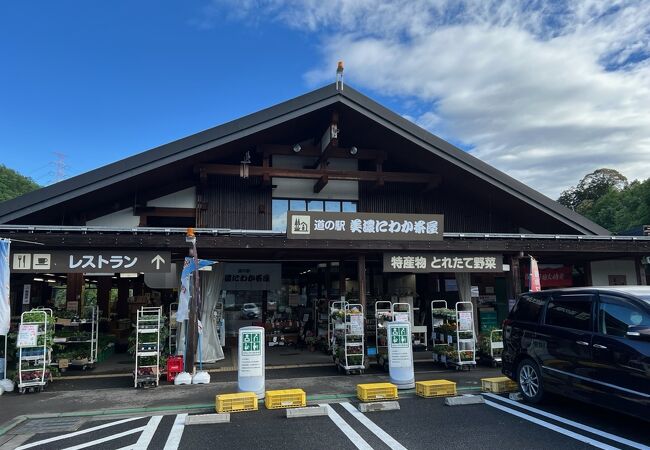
column 529, row 378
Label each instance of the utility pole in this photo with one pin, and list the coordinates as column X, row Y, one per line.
column 195, row 307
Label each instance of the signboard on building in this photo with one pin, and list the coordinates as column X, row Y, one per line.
column 252, row 277
column 413, row 262
column 364, row 226
column 89, row 261
column 552, row 277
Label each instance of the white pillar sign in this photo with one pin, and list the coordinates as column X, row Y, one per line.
column 251, row 360
column 400, row 355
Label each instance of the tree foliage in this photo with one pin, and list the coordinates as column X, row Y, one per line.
column 13, row 184
column 591, row 188
column 606, row 197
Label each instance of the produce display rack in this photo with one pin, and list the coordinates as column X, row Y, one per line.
column 452, row 347
column 173, row 327
column 335, row 306
column 147, row 345
column 491, row 347
column 465, row 337
column 383, row 310
column 349, row 350
column 219, row 322
column 36, row 358
column 93, row 342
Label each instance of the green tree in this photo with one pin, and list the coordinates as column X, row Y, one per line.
column 13, row 184
column 591, row 188
column 624, row 210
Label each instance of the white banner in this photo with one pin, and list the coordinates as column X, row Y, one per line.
column 5, row 306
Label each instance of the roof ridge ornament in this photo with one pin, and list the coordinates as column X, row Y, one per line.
column 339, row 76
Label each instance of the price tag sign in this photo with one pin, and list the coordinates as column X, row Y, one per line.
column 356, row 324
column 465, row 321
column 401, row 317
column 27, row 336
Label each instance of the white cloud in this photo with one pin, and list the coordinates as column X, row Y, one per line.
column 545, row 92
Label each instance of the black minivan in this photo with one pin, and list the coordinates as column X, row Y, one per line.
column 591, row 344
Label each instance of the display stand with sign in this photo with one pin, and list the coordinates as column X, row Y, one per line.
column 219, row 322
column 34, row 343
column 334, row 319
column 90, row 338
column 251, row 361
column 383, row 315
column 173, row 328
column 147, row 346
column 400, row 355
column 349, row 335
column 465, row 337
column 441, row 317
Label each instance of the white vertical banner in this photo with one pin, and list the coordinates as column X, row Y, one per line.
column 5, row 307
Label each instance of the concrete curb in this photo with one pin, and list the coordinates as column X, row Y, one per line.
column 205, row 419
column 310, row 411
column 378, row 406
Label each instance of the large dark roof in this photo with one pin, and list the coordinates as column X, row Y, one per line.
column 103, row 177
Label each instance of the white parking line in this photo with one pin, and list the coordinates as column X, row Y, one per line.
column 372, row 426
column 550, row 426
column 76, row 433
column 105, row 439
column 147, row 434
column 611, row 437
column 175, row 434
column 354, row 437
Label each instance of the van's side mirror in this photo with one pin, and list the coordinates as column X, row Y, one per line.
column 638, row 332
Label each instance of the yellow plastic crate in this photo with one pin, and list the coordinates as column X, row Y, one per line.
column 241, row 401
column 374, row 392
column 287, row 398
column 435, row 388
column 498, row 385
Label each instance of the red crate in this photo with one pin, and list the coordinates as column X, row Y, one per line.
column 174, row 367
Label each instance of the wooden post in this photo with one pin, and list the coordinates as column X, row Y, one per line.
column 104, row 285
column 122, row 298
column 515, row 278
column 361, row 271
column 74, row 289
column 640, row 271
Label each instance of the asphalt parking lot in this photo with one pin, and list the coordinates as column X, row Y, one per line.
column 419, row 424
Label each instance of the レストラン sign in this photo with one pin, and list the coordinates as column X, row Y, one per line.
column 106, row 261
column 367, row 226
column 435, row 262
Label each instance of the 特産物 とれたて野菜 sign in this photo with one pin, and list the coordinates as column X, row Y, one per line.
column 364, row 226
column 413, row 262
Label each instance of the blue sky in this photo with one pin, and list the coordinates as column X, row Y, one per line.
column 544, row 93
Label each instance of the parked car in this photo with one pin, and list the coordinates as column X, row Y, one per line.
column 250, row 311
column 590, row 344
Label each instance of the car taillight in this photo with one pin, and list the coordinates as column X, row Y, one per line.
column 507, row 322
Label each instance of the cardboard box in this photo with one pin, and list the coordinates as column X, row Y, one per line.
column 64, row 363
column 64, row 322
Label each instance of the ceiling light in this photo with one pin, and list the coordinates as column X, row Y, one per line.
column 297, row 148
column 353, row 150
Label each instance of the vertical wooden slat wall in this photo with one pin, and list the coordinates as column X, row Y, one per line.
column 461, row 214
column 237, row 203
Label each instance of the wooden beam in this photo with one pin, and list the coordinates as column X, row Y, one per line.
column 320, row 184
column 164, row 212
column 312, row 174
column 313, row 151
